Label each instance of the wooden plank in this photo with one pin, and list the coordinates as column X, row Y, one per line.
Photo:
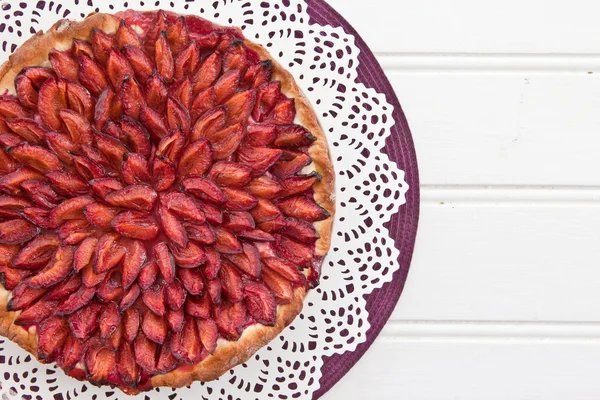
column 471, row 26
column 501, row 301
column 503, row 128
column 423, row 369
column 494, row 260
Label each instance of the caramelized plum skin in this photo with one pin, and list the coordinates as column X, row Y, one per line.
column 151, row 199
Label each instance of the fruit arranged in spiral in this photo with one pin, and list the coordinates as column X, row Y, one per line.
column 152, row 199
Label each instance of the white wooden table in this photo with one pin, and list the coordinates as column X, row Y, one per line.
column 503, row 297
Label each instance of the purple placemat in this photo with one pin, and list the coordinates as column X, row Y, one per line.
column 403, row 225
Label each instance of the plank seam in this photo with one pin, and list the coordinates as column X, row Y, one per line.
column 488, row 62
column 498, row 330
column 509, row 194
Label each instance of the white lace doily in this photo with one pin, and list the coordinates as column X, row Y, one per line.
column 370, row 188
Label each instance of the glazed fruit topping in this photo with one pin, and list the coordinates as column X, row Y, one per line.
column 152, row 199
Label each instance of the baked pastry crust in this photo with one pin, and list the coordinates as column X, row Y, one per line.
column 60, row 36
column 35, row 52
column 324, row 190
column 228, row 353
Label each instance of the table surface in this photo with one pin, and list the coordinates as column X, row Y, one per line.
column 503, row 297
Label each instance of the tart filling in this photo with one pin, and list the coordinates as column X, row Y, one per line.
column 163, row 200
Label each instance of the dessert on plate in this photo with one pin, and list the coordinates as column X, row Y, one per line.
column 166, row 198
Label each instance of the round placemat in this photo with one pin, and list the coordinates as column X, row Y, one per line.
column 403, row 225
column 363, row 76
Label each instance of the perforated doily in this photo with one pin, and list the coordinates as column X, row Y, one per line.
column 370, row 189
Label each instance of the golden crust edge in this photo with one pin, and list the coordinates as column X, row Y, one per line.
column 26, row 339
column 324, row 191
column 35, row 50
column 228, row 354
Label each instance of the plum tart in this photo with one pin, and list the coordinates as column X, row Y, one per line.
column 166, row 198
